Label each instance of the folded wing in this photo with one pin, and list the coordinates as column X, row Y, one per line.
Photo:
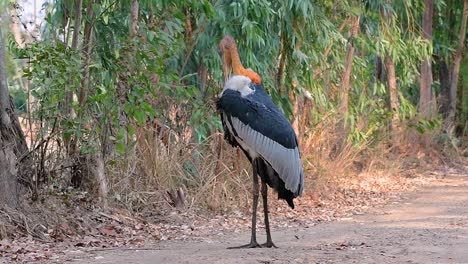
column 261, row 129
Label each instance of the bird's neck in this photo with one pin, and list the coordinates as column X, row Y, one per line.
column 239, row 69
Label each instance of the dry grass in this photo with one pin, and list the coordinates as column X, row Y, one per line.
column 212, row 176
column 324, row 161
column 158, row 174
column 206, row 177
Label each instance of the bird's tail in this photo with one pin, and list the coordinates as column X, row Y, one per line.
column 269, row 175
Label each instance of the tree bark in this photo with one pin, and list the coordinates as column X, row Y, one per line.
column 84, row 84
column 295, row 121
column 74, row 45
column 444, row 79
column 203, row 73
column 456, row 69
column 379, row 73
column 342, row 127
column 77, row 25
column 99, row 172
column 12, row 141
column 87, row 45
column 394, row 101
column 282, row 63
column 394, row 104
column 134, row 18
column 9, row 194
column 15, row 27
column 67, row 106
column 426, row 100
column 462, row 117
column 97, row 162
column 306, row 106
column 345, row 80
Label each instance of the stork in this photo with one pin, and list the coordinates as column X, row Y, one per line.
column 252, row 122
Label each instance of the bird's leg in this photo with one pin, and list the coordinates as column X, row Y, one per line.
column 253, row 239
column 269, row 242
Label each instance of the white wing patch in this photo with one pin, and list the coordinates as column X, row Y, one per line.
column 253, row 154
column 286, row 162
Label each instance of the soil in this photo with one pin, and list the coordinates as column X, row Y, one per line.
column 427, row 226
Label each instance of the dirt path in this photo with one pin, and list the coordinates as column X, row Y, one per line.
column 429, row 226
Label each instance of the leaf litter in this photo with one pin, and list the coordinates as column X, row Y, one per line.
column 78, row 230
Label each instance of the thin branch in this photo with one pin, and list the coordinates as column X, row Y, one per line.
column 200, row 29
column 53, row 133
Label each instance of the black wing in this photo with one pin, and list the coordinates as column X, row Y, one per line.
column 265, row 130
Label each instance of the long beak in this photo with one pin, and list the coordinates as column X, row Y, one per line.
column 226, row 68
column 226, row 72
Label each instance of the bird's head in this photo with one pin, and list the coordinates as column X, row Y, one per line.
column 224, row 48
column 230, row 60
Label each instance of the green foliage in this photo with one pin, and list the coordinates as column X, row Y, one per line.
column 19, row 100
column 428, row 125
column 53, row 70
column 171, row 70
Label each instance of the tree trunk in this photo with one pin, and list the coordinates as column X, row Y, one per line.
column 461, row 128
column 342, row 127
column 73, row 150
column 306, row 106
column 444, row 79
column 426, row 100
column 379, row 73
column 134, row 18
column 15, row 27
column 12, row 141
column 99, row 172
column 203, row 73
column 67, row 106
column 295, row 121
column 387, row 18
column 96, row 162
column 9, row 194
column 394, row 101
column 282, row 63
column 77, row 25
column 87, row 45
column 345, row 80
column 456, row 69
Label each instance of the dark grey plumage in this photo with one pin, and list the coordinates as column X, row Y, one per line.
column 253, row 122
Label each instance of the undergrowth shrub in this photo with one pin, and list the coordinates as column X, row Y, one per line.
column 144, row 177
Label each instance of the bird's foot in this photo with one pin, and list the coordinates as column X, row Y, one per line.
column 252, row 244
column 269, row 244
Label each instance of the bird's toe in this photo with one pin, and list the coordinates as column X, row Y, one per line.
column 269, row 244
column 252, row 244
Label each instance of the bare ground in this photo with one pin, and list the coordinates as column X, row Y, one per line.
column 427, row 226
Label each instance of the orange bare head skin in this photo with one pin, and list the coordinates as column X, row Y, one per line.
column 252, row 75
column 231, row 61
